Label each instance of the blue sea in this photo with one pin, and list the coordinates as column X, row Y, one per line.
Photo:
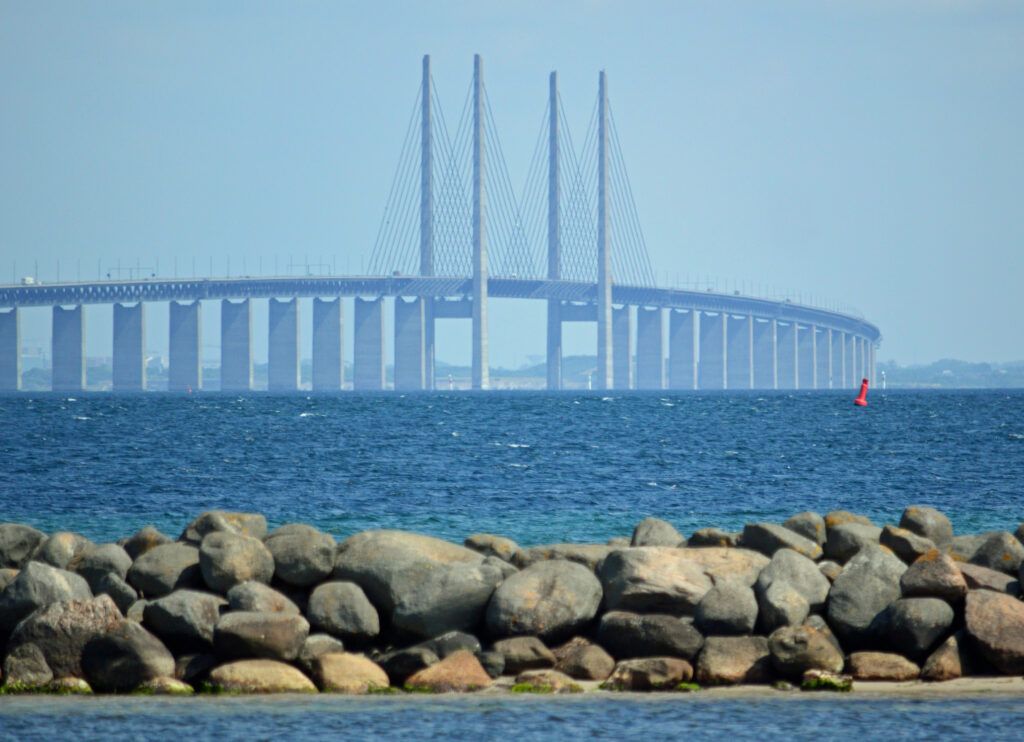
column 536, row 467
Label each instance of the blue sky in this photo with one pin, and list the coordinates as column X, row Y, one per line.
column 868, row 153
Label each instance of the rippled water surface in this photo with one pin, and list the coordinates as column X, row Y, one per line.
column 536, row 467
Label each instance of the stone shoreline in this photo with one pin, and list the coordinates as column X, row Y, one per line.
column 816, row 603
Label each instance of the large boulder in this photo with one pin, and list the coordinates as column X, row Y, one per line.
column 352, row 674
column 963, row 548
column 768, row 538
column 61, row 631
column 727, row 608
column 260, row 676
column 123, row 594
column 847, row 539
column 653, row 579
column 144, row 540
column 934, row 575
column 905, row 544
column 99, row 560
column 1002, row 552
column 809, row 525
column 915, row 625
column 841, row 517
column 125, row 658
column 255, row 596
column 184, row 619
column 60, row 548
column 859, row 596
column 524, row 653
column 454, row 598
column 273, row 636
column 459, row 672
column 952, row 659
column 928, row 522
column 36, row 586
column 550, row 599
column 18, row 544
column 656, row 532
column 781, row 604
column 314, row 646
column 800, row 573
column 649, row 674
column 229, row 559
column 26, row 666
column 583, row 660
column 882, row 666
column 490, row 545
column 983, row 578
column 727, row 660
column 399, row 664
column 589, row 555
column 728, row 564
column 302, row 559
column 629, row 635
column 164, row 569
column 797, row 649
column 996, row 624
column 452, row 641
column 342, row 609
column 222, row 521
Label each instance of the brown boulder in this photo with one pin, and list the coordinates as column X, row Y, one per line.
column 881, row 666
column 545, row 681
column 260, row 676
column 649, row 673
column 343, row 672
column 996, row 624
column 983, row 578
column 934, row 574
column 727, row 660
column 583, row 660
column 61, row 631
column 459, row 672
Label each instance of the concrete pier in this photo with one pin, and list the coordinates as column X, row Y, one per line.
column 410, row 354
column 236, row 345
column 806, row 357
column 129, row 372
column 10, row 350
column 682, row 356
column 328, row 345
column 740, row 354
column 713, row 351
column 368, row 347
column 283, row 345
column 788, row 356
column 185, row 347
column 765, row 354
column 68, row 349
column 622, row 343
column 650, row 350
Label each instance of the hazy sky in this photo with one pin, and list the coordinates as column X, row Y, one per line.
column 870, row 153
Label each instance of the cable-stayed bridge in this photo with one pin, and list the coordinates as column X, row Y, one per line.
column 455, row 232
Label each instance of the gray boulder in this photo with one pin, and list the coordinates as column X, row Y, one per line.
column 302, row 560
column 798, row 572
column 448, row 599
column 125, row 658
column 809, row 525
column 840, row 517
column 490, row 545
column 727, row 660
column 768, row 538
column 400, row 664
column 914, row 626
column 38, row 585
column 253, row 525
column 101, row 559
column 653, row 579
column 589, row 555
column 934, row 575
column 846, row 539
column 928, row 522
column 995, row 622
column 983, row 578
column 60, row 548
column 18, row 544
column 627, row 635
column 120, row 592
column 315, row 646
column 229, row 559
column 797, row 649
column 165, row 568
column 194, row 668
column 294, row 529
column 505, row 568
column 963, row 548
column 860, row 595
column 451, row 642
column 342, row 609
column 712, row 537
column 255, row 596
column 1002, row 552
column 830, row 569
column 727, row 608
column 61, row 630
column 905, row 544
column 781, row 604
column 144, row 540
column 249, row 634
column 185, row 619
column 26, row 666
column 493, row 663
column 7, row 576
column 656, row 532
column 524, row 653
column 550, row 599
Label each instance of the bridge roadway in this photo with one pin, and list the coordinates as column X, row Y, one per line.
column 715, row 340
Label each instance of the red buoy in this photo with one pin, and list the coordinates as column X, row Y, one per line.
column 862, row 398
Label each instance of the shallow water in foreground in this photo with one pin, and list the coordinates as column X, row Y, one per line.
column 792, row 716
column 537, row 467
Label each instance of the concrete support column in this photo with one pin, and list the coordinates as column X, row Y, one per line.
column 829, row 360
column 713, row 351
column 409, row 344
column 850, row 352
column 10, row 350
column 682, row 357
column 129, row 372
column 283, row 345
column 650, row 350
column 805, row 357
column 236, row 346
column 871, row 375
column 739, row 372
column 622, row 343
column 787, row 356
column 481, row 363
column 368, row 347
column 68, row 349
column 764, row 355
column 554, row 348
column 328, row 345
column 185, row 347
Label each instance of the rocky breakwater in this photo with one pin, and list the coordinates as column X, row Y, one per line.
column 817, row 601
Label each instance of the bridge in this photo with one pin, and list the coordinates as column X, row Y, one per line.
column 571, row 240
